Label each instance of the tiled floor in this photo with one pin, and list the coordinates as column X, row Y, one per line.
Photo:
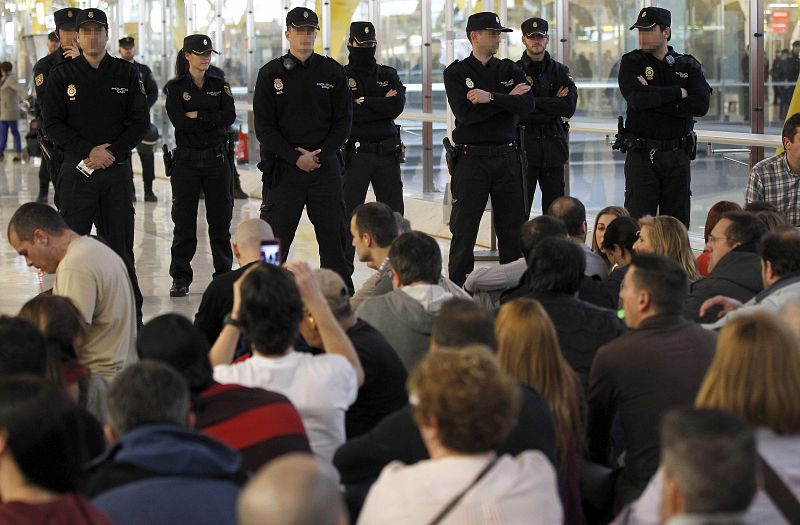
column 153, row 237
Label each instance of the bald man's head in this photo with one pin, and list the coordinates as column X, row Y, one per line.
column 247, row 239
column 293, row 489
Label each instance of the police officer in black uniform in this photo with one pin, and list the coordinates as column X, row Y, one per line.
column 66, row 34
column 95, row 110
column 303, row 111
column 127, row 50
column 372, row 154
column 200, row 107
column 487, row 96
column 665, row 90
column 555, row 96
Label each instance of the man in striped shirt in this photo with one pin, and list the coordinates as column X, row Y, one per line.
column 776, row 180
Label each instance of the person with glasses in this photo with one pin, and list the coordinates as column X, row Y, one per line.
column 200, row 107
column 555, row 94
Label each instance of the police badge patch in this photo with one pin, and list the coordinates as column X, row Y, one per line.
column 530, row 79
column 278, row 84
column 141, row 87
column 39, row 79
column 649, row 74
column 470, row 83
column 72, row 90
column 186, row 96
column 351, row 82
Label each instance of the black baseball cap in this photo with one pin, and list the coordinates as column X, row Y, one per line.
column 650, row 16
column 66, row 17
column 486, row 21
column 302, row 17
column 198, row 44
column 92, row 16
column 534, row 26
column 53, row 37
column 363, row 32
column 127, row 41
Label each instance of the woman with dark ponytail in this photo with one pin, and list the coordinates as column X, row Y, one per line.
column 200, row 107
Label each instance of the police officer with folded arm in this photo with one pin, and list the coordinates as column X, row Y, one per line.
column 487, row 96
column 200, row 107
column 555, row 97
column 664, row 90
column 95, row 110
column 372, row 154
column 303, row 110
column 66, row 49
column 127, row 51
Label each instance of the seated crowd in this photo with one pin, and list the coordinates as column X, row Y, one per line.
column 607, row 375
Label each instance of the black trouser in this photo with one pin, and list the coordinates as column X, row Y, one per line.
column 44, row 178
column 658, row 186
column 148, row 161
column 194, row 171
column 103, row 198
column 475, row 178
column 551, row 183
column 320, row 191
column 381, row 170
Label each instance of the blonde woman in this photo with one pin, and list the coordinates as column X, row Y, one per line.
column 667, row 236
column 528, row 350
column 754, row 375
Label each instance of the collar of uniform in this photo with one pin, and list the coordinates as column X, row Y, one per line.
column 103, row 63
column 311, row 60
column 474, row 61
column 527, row 60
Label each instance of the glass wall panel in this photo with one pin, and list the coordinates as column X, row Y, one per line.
column 781, row 62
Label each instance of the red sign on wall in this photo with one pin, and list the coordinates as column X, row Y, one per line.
column 779, row 23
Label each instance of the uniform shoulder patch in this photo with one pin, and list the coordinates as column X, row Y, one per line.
column 39, row 79
column 141, row 87
column 227, row 89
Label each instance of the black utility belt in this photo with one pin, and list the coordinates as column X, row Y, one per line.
column 486, row 150
column 200, row 154
column 641, row 144
column 390, row 145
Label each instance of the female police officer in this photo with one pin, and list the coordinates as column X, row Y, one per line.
column 200, row 107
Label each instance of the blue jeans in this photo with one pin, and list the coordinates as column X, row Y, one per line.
column 5, row 125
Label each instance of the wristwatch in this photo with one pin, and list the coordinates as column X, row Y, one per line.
column 491, row 97
column 228, row 320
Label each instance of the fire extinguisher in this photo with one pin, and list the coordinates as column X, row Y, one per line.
column 242, row 152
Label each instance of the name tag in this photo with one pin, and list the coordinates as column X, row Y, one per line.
column 324, row 85
column 213, row 93
column 682, row 75
column 507, row 83
column 383, row 83
column 120, row 90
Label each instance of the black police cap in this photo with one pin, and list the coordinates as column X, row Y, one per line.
column 486, row 21
column 650, row 16
column 302, row 17
column 53, row 37
column 198, row 44
column 92, row 16
column 363, row 32
column 127, row 41
column 534, row 26
column 66, row 17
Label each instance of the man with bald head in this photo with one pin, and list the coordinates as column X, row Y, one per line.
column 218, row 297
column 294, row 489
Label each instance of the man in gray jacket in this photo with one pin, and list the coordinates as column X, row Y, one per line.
column 405, row 315
column 734, row 266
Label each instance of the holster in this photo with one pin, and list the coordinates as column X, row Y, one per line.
column 450, row 155
column 691, row 145
column 168, row 160
column 270, row 175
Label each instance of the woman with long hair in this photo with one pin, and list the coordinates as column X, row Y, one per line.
column 601, row 221
column 754, row 375
column 667, row 236
column 200, row 107
column 528, row 350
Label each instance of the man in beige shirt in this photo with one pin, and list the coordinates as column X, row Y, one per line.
column 90, row 274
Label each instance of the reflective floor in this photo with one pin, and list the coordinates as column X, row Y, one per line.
column 153, row 237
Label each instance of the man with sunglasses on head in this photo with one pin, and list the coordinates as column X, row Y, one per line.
column 555, row 95
column 665, row 91
column 303, row 112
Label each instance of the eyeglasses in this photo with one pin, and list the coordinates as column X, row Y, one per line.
column 713, row 239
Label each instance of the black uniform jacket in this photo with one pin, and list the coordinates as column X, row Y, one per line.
column 657, row 111
column 305, row 105
column 492, row 123
column 373, row 119
column 86, row 107
column 546, row 140
column 213, row 103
